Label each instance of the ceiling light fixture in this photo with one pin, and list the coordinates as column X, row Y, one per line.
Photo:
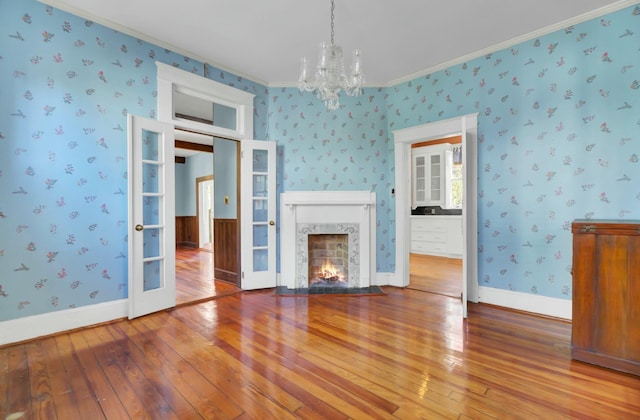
column 330, row 75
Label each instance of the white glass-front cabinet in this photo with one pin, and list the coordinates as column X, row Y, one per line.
column 428, row 177
column 436, row 174
column 419, row 179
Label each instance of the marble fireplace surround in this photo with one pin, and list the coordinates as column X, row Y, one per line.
column 311, row 212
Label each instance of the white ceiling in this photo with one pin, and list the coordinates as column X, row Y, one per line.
column 265, row 39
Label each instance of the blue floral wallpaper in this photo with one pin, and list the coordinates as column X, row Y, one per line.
column 558, row 140
column 344, row 150
column 67, row 86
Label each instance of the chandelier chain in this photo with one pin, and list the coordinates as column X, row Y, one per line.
column 333, row 6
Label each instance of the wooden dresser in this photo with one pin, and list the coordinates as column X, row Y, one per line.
column 606, row 293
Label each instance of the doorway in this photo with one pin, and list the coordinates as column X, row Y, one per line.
column 204, row 214
column 435, row 260
column 197, row 105
column 196, row 193
column 467, row 127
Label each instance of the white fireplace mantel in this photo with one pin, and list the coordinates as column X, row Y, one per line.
column 326, row 208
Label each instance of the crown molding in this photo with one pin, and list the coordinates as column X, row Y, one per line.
column 62, row 5
column 614, row 7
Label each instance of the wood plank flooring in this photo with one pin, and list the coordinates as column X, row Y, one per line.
column 195, row 277
column 404, row 355
column 435, row 274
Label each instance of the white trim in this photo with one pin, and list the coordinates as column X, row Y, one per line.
column 30, row 327
column 300, row 207
column 542, row 305
column 605, row 10
column 614, row 7
column 467, row 126
column 172, row 79
column 536, row 304
column 385, row 279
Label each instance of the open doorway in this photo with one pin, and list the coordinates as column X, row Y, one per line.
column 204, row 216
column 196, row 217
column 467, row 127
column 435, row 259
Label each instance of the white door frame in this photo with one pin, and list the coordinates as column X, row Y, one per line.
column 467, row 126
column 170, row 80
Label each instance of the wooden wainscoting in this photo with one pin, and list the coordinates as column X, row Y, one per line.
column 225, row 250
column 187, row 231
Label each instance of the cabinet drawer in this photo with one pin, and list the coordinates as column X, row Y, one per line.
column 428, row 225
column 429, row 236
column 428, row 247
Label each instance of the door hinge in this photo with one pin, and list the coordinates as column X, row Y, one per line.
column 242, row 275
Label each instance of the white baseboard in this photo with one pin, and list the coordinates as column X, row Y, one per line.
column 543, row 305
column 27, row 328
column 30, row 327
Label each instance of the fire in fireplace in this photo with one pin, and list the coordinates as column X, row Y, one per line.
column 328, row 260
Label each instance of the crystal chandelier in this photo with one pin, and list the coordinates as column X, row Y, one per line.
column 330, row 75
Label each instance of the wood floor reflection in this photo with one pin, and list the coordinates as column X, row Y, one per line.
column 438, row 275
column 195, row 279
column 254, row 355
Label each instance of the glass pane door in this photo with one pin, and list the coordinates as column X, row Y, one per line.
column 260, row 213
column 151, row 216
column 258, row 191
column 152, row 203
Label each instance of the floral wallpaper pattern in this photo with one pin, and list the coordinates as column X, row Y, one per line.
column 558, row 140
column 558, row 133
column 67, row 87
column 344, row 150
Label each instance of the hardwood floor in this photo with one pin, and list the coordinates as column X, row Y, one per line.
column 435, row 274
column 195, row 279
column 404, row 355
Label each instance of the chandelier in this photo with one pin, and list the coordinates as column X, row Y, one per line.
column 330, row 75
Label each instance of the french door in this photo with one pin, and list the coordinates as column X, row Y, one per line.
column 258, row 214
column 151, row 240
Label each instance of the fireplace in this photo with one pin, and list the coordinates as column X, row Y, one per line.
column 328, row 260
column 327, row 239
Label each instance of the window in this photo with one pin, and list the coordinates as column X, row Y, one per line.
column 455, row 186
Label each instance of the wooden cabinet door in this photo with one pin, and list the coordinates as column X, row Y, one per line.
column 606, row 292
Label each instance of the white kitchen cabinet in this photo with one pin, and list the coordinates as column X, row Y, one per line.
column 454, row 236
column 419, row 179
column 428, row 175
column 437, row 235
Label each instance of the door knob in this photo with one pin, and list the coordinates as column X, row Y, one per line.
column 139, row 228
column 271, row 223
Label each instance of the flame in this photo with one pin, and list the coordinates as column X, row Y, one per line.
column 328, row 271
